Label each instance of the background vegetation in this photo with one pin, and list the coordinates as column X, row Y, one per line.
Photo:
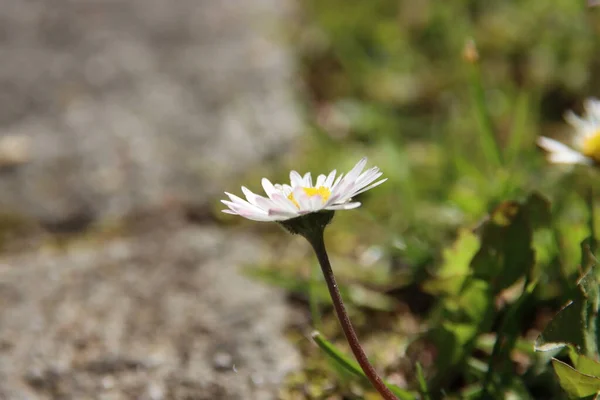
column 459, row 262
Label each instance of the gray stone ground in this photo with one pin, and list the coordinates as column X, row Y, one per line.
column 160, row 314
column 108, row 107
column 120, row 108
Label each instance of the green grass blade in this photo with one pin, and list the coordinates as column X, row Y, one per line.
column 519, row 131
column 591, row 220
column 489, row 141
column 352, row 366
column 422, row 382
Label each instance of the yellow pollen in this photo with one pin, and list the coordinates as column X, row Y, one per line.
column 591, row 147
column 322, row 191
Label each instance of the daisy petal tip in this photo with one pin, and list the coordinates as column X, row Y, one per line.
column 265, row 182
column 541, row 140
column 353, row 205
column 247, row 192
column 229, row 203
column 549, row 144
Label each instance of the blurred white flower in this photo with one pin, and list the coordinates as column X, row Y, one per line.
column 585, row 142
column 301, row 197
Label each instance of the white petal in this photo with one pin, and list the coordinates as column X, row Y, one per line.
column 287, row 190
column 280, row 215
column 347, row 190
column 345, row 186
column 369, row 187
column 560, row 153
column 355, row 172
column 243, row 206
column 576, row 121
column 238, row 200
column 296, row 179
column 587, row 125
column 246, row 212
column 368, row 177
column 366, row 180
column 592, row 109
column 257, row 217
column 307, row 180
column 316, row 203
column 250, row 196
column 552, row 145
column 235, row 198
column 343, row 190
column 329, row 181
column 569, row 158
column 283, row 189
column 332, row 200
column 268, row 187
column 274, row 209
column 320, row 180
column 284, row 202
column 302, row 199
column 584, row 128
column 345, row 206
column 337, row 181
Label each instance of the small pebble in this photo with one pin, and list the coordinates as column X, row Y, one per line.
column 223, row 361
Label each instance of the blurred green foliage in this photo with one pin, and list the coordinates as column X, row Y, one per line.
column 460, row 261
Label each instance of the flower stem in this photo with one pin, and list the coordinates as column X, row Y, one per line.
column 318, row 244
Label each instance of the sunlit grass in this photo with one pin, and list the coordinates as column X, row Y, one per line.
column 456, row 137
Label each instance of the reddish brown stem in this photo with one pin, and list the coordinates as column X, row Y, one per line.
column 318, row 245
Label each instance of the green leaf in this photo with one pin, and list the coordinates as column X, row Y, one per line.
column 464, row 318
column 352, row 366
column 455, row 268
column 539, row 211
column 560, row 330
column 506, row 252
column 506, row 340
column 575, row 383
column 505, row 257
column 575, row 325
column 585, row 365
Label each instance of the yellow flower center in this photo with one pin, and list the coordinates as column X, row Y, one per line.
column 591, row 147
column 322, row 191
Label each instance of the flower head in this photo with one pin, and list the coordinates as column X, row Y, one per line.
column 301, row 197
column 586, row 140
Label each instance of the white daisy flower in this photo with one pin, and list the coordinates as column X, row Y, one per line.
column 586, row 141
column 301, row 197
